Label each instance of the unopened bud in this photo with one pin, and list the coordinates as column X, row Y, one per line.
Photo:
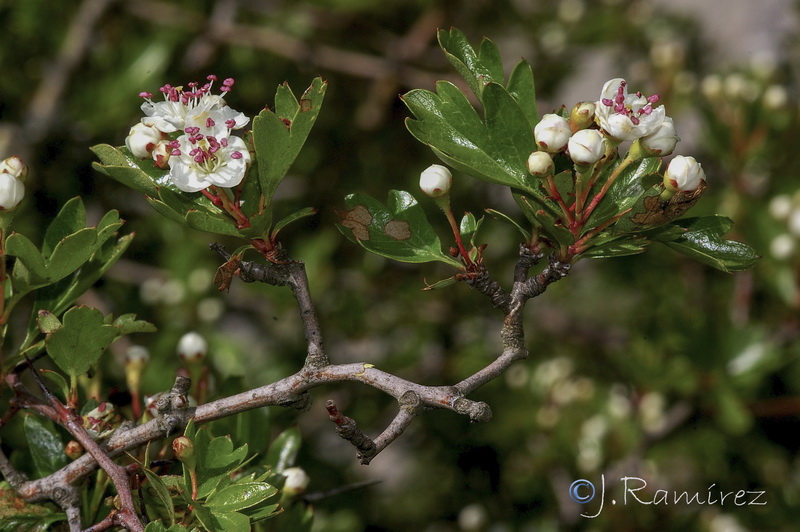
column 540, row 164
column 587, row 146
column 683, row 174
column 435, row 181
column 581, row 116
column 73, row 450
column 296, row 481
column 142, row 139
column 192, row 348
column 13, row 165
column 183, row 448
column 552, row 133
column 12, row 190
column 662, row 142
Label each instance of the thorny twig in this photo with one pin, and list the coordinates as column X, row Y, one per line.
column 412, row 398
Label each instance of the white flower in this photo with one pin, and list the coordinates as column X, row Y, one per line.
column 161, row 154
column 199, row 161
column 13, row 165
column 142, row 139
column 552, row 133
column 587, row 146
column 540, row 164
column 12, row 190
column 296, row 481
column 683, row 174
column 192, row 347
column 662, row 142
column 137, row 354
column 191, row 108
column 435, row 180
column 627, row 116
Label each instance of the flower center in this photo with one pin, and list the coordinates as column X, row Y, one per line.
column 631, row 106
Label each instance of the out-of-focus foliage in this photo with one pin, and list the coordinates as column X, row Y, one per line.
column 651, row 366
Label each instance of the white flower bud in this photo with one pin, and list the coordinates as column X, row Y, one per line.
column 435, row 180
column 141, row 140
column 296, row 481
column 780, row 206
column 192, row 347
column 782, row 246
column 137, row 354
column 793, row 221
column 663, row 141
column 552, row 133
column 540, row 164
column 582, row 116
column 683, row 174
column 12, row 190
column 587, row 146
column 775, row 97
column 13, row 165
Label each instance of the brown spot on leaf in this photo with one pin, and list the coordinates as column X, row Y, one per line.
column 397, row 229
column 659, row 212
column 357, row 220
column 305, row 105
column 286, row 122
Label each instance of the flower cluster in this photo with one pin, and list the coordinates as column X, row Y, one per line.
column 593, row 130
column 190, row 133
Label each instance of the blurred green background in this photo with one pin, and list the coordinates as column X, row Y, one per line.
column 649, row 366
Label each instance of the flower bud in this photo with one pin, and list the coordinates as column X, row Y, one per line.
column 183, row 448
column 161, row 154
column 296, row 481
column 13, row 165
column 540, row 164
column 782, row 246
column 435, row 180
column 192, row 348
column 683, row 174
column 99, row 422
column 73, row 450
column 141, row 140
column 587, row 146
column 780, row 207
column 552, row 133
column 662, row 142
column 581, row 116
column 11, row 191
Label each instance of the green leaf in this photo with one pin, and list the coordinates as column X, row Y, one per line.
column 617, row 248
column 222, row 521
column 526, row 235
column 278, row 136
column 399, row 230
column 19, row 246
column 127, row 324
column 626, row 191
column 476, row 71
column 283, row 450
column 125, row 169
column 302, row 213
column 702, row 240
column 521, row 87
column 161, row 490
column 78, row 344
column 71, row 253
column 45, row 445
column 216, row 459
column 204, row 220
column 239, row 496
column 71, row 219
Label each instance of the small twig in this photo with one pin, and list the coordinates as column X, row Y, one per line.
column 320, row 495
column 348, row 429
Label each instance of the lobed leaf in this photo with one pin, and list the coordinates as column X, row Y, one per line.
column 398, row 231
